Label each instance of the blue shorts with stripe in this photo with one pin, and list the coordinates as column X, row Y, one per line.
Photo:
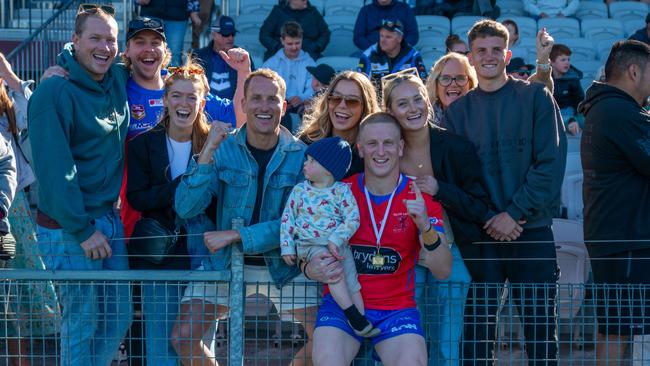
column 392, row 323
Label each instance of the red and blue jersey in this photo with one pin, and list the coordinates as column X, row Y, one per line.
column 391, row 286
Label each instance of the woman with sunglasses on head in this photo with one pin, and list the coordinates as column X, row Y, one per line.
column 446, row 167
column 35, row 304
column 156, row 160
column 338, row 110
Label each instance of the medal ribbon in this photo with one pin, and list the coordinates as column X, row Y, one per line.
column 380, row 231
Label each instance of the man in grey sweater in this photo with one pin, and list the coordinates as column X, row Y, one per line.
column 518, row 133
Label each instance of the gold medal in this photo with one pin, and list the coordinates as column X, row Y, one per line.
column 378, row 260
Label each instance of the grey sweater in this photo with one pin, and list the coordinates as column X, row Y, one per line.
column 520, row 140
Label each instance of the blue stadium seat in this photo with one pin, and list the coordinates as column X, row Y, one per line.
column 600, row 29
column 582, row 49
column 589, row 69
column 342, row 38
column 431, row 54
column 628, row 10
column 527, row 25
column 248, row 24
column 560, row 27
column 632, row 25
column 342, row 9
column 256, row 6
column 602, row 48
column 510, row 8
column 340, row 63
column 461, row 24
column 433, row 28
column 251, row 43
column 592, row 10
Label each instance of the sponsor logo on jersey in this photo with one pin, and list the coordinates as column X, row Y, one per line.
column 156, row 102
column 363, row 255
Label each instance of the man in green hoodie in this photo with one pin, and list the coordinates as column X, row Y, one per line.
column 78, row 126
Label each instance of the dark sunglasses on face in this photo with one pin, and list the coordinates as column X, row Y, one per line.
column 94, row 8
column 445, row 80
column 351, row 102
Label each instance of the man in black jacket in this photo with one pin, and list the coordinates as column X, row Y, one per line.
column 523, row 153
column 615, row 153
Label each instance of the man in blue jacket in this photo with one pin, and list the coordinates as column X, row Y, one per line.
column 371, row 17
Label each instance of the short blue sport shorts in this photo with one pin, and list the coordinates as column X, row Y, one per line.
column 392, row 323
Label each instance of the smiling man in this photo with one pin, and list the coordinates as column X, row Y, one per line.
column 519, row 137
column 78, row 126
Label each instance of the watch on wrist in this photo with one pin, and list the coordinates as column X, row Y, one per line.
column 543, row 67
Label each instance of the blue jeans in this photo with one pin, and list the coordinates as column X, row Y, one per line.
column 442, row 305
column 160, row 302
column 175, row 34
column 96, row 315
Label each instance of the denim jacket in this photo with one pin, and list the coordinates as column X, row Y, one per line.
column 232, row 178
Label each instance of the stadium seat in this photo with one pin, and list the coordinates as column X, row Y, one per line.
column 603, row 47
column 511, row 8
column 560, row 27
column 433, row 27
column 327, row 4
column 592, row 10
column 582, row 49
column 527, row 26
column 431, row 54
column 599, row 29
column 340, row 63
column 248, row 24
column 631, row 26
column 349, row 8
column 461, row 24
column 589, row 68
column 573, row 261
column 571, row 196
column 342, row 38
column 256, row 6
column 251, row 43
column 628, row 10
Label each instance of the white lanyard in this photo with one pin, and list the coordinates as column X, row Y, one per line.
column 380, row 231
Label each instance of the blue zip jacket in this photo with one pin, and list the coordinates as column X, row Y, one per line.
column 366, row 28
column 232, row 178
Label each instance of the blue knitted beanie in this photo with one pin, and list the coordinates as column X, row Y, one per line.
column 333, row 153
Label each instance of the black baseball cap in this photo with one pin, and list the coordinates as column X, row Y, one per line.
column 393, row 24
column 517, row 64
column 224, row 26
column 140, row 24
column 324, row 73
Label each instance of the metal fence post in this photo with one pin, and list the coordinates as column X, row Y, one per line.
column 236, row 308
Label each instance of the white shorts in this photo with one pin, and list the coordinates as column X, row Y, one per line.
column 297, row 294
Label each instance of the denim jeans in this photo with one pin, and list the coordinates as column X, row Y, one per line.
column 160, row 303
column 95, row 315
column 175, row 34
column 442, row 304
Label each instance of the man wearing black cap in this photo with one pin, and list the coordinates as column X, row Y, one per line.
column 519, row 69
column 391, row 54
column 321, row 76
column 222, row 77
column 643, row 34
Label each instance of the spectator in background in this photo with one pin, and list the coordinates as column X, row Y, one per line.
column 616, row 161
column 453, row 43
column 391, row 54
column 222, row 77
column 551, row 8
column 291, row 63
column 316, row 34
column 523, row 155
column 372, row 17
column 205, row 15
column 452, row 8
column 79, row 125
column 518, row 69
column 514, row 44
column 321, row 76
column 174, row 13
column 568, row 90
column 643, row 34
column 33, row 302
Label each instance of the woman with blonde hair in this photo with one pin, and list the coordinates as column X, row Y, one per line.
column 156, row 160
column 338, row 111
column 446, row 167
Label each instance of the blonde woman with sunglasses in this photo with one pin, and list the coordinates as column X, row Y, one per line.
column 446, row 167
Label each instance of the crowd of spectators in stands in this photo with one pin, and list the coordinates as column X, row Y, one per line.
column 204, row 155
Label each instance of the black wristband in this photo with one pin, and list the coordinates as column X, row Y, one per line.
column 433, row 246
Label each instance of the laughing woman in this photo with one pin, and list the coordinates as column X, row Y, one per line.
column 157, row 159
column 445, row 166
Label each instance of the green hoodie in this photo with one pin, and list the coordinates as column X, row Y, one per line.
column 77, row 128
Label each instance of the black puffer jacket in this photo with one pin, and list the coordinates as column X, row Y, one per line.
column 568, row 92
column 316, row 32
column 615, row 152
